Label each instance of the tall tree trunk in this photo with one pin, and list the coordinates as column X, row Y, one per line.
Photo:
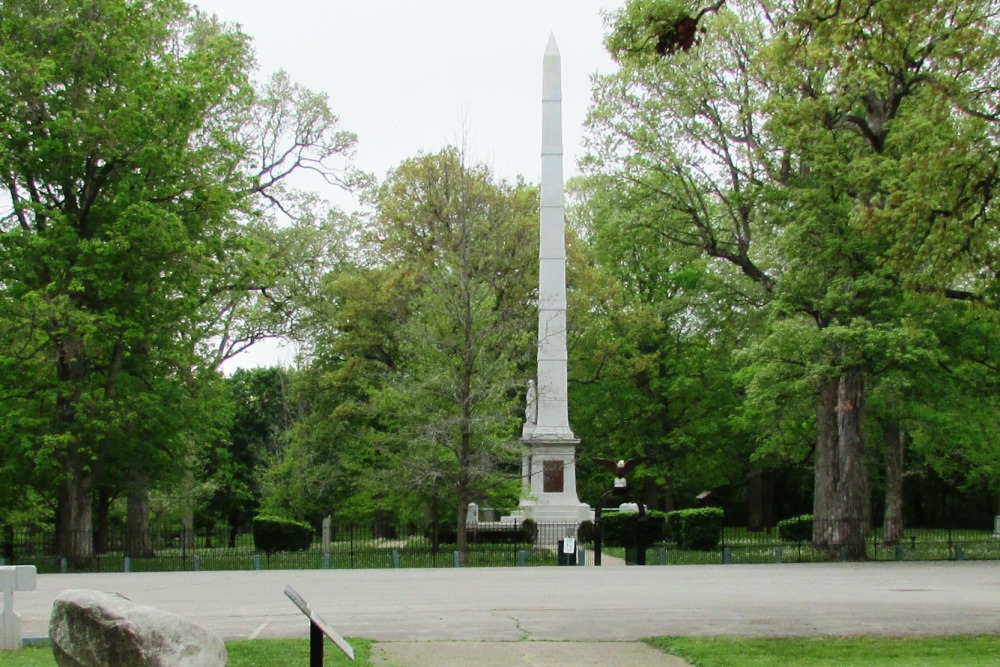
column 669, row 498
column 76, row 504
column 461, row 516
column 841, row 511
column 102, row 527
column 760, row 499
column 137, row 542
column 650, row 494
column 75, row 537
column 852, row 502
column 463, row 490
column 895, row 451
column 755, row 500
column 826, row 471
column 187, row 514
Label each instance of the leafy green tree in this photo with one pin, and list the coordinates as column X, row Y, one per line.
column 866, row 110
column 262, row 415
column 785, row 144
column 652, row 362
column 412, row 389
column 467, row 241
column 129, row 177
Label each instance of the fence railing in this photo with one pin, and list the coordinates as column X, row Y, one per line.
column 364, row 547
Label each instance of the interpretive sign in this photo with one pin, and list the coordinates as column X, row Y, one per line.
column 317, row 628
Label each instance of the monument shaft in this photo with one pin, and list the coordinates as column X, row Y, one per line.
column 550, row 462
column 553, row 400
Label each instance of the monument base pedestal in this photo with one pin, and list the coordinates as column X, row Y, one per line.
column 549, row 493
column 548, row 513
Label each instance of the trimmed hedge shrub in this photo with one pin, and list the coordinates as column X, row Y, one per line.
column 272, row 534
column 585, row 532
column 674, row 526
column 618, row 529
column 525, row 532
column 530, row 530
column 698, row 529
column 446, row 533
column 796, row 529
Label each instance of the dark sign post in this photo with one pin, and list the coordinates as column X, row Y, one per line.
column 318, row 628
column 621, row 490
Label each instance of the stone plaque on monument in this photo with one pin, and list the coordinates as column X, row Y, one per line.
column 553, row 477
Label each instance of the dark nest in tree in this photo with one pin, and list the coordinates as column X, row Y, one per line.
column 682, row 34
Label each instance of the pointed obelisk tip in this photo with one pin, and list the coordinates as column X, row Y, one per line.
column 552, row 49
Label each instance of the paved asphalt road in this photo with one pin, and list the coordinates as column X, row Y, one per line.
column 566, row 603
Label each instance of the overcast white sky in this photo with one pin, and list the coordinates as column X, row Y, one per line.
column 412, row 75
column 417, row 75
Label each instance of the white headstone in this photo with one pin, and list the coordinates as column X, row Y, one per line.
column 14, row 578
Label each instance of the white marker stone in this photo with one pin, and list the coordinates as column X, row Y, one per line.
column 13, row 578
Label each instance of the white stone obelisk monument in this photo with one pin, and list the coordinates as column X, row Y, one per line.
column 549, row 494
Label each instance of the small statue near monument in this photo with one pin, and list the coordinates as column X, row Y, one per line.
column 531, row 409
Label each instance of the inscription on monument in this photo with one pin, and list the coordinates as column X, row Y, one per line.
column 552, row 476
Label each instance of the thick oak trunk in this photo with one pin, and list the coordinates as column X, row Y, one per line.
column 102, row 526
column 826, row 471
column 895, row 451
column 841, row 512
column 76, row 538
column 852, row 513
column 137, row 541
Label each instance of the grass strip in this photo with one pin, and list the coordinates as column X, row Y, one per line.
column 243, row 653
column 964, row 651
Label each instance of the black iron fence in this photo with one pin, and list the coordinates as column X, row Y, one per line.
column 348, row 547
column 835, row 541
column 357, row 547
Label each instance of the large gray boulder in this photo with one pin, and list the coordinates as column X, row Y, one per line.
column 94, row 629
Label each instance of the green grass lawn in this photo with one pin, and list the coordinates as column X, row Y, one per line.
column 982, row 651
column 259, row 653
column 979, row 651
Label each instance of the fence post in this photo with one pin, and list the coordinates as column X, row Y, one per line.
column 327, row 531
column 395, row 559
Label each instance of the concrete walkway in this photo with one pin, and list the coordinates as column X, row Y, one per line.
column 520, row 654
